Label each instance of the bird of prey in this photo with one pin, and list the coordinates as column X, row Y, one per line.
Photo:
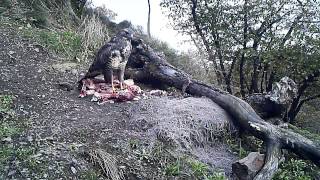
column 112, row 57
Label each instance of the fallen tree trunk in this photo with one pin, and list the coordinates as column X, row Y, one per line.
column 146, row 64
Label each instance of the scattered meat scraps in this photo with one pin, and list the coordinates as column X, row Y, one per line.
column 102, row 92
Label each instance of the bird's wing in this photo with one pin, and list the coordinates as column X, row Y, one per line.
column 118, row 47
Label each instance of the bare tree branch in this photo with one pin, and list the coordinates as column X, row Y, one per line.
column 308, row 80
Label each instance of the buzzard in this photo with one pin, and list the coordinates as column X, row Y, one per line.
column 112, row 58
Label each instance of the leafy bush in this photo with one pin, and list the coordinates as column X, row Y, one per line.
column 199, row 169
column 216, row 176
column 7, row 130
column 173, row 169
column 66, row 42
column 306, row 133
column 5, row 103
column 296, row 170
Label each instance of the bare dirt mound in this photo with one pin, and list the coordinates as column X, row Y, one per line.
column 61, row 125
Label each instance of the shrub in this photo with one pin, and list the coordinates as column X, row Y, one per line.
column 199, row 169
column 173, row 169
column 68, row 43
column 5, row 103
column 296, row 170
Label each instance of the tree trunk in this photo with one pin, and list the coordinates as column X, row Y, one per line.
column 243, row 56
column 149, row 33
column 148, row 65
column 270, row 81
column 211, row 56
column 255, row 76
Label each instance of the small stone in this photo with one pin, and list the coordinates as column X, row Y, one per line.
column 158, row 92
column 11, row 173
column 137, row 98
column 74, row 72
column 39, row 71
column 50, row 138
column 23, row 143
column 11, row 52
column 73, row 169
column 37, row 155
column 7, row 139
column 28, row 25
column 29, row 138
column 74, row 161
column 36, row 50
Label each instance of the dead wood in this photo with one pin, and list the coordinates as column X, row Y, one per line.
column 146, row 64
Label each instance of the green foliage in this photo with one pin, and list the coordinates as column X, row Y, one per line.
column 185, row 167
column 237, row 148
column 23, row 153
column 253, row 35
column 199, row 169
column 133, row 143
column 216, row 176
column 67, row 43
column 11, row 127
column 296, row 170
column 173, row 169
column 90, row 175
column 63, row 42
column 6, row 102
column 7, row 130
column 306, row 133
column 308, row 119
column 6, row 153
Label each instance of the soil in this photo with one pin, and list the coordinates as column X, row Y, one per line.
column 63, row 126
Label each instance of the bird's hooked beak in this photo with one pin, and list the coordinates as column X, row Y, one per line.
column 127, row 33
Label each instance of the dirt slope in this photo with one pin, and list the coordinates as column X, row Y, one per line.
column 62, row 125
